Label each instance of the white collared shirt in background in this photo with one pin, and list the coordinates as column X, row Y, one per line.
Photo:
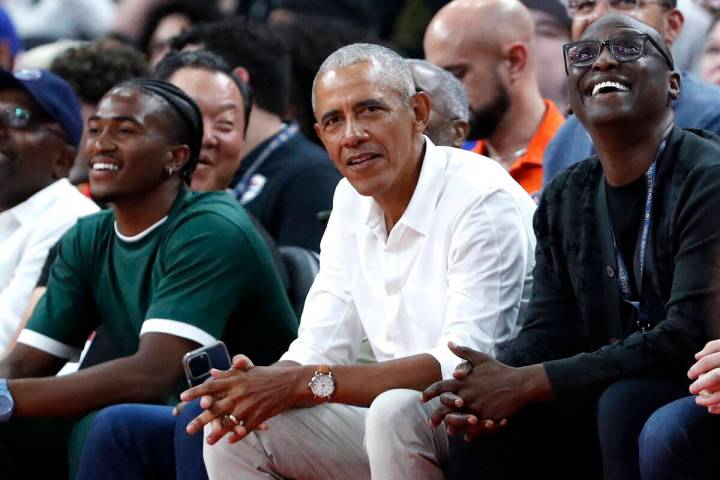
column 456, row 266
column 27, row 232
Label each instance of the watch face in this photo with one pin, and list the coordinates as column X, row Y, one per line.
column 323, row 386
column 6, row 405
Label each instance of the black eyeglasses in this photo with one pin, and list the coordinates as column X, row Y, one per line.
column 585, row 8
column 626, row 48
column 15, row 117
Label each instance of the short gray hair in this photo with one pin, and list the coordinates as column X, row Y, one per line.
column 392, row 69
column 451, row 98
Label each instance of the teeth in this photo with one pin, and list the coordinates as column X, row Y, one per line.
column 615, row 85
column 105, row 166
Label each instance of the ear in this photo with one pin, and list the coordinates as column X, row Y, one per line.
column 420, row 103
column 516, row 57
column 179, row 156
column 674, row 91
column 242, row 73
column 460, row 132
column 673, row 23
column 63, row 161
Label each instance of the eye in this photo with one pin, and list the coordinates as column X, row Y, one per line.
column 582, row 53
column 225, row 126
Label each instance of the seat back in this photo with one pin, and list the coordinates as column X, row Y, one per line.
column 301, row 265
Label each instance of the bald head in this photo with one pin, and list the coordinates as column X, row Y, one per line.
column 486, row 24
column 448, row 123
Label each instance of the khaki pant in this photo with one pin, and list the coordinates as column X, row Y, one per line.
column 391, row 439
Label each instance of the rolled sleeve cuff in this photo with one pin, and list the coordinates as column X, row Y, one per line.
column 448, row 361
column 179, row 329
column 304, row 355
column 49, row 345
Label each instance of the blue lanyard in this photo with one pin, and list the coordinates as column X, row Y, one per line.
column 623, row 279
column 288, row 132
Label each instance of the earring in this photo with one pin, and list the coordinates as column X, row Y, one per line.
column 170, row 170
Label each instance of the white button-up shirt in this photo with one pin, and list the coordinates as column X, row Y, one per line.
column 27, row 232
column 456, row 266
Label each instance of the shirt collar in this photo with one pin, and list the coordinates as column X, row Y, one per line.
column 29, row 210
column 418, row 214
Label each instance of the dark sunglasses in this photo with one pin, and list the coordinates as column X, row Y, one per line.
column 626, row 48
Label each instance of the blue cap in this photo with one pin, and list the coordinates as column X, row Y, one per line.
column 8, row 32
column 53, row 94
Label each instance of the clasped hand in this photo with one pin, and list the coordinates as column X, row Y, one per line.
column 706, row 373
column 240, row 399
column 482, row 388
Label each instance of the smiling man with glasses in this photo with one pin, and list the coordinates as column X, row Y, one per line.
column 40, row 127
column 624, row 281
column 698, row 106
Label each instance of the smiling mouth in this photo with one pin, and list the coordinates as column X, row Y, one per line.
column 104, row 167
column 608, row 87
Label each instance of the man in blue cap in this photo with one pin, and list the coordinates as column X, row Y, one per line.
column 40, row 127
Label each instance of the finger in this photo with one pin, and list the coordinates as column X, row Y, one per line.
column 710, row 347
column 439, row 387
column 177, row 409
column 204, row 418
column 241, row 362
column 710, row 399
column 207, row 401
column 205, row 388
column 714, row 409
column 707, row 381
column 216, row 434
column 262, row 427
column 503, row 422
column 704, row 365
column 439, row 414
column 462, row 370
column 467, row 353
column 449, row 399
column 460, row 421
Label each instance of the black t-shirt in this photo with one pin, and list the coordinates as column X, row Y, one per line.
column 626, row 205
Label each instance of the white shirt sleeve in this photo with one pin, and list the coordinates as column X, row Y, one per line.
column 15, row 296
column 489, row 268
column 330, row 330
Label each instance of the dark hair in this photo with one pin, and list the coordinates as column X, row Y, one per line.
column 196, row 10
column 252, row 46
column 185, row 114
column 206, row 60
column 94, row 68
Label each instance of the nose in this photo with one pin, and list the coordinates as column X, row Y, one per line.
column 354, row 133
column 209, row 139
column 605, row 59
column 100, row 142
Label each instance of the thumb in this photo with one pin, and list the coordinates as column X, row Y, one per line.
column 241, row 362
column 467, row 353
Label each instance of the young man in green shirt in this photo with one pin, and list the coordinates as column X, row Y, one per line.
column 165, row 271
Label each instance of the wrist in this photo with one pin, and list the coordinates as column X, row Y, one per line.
column 302, row 393
column 536, row 384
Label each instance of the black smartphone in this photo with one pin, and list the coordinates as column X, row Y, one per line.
column 198, row 362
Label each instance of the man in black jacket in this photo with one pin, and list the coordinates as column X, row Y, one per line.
column 623, row 283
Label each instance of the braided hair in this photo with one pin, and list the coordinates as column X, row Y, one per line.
column 186, row 113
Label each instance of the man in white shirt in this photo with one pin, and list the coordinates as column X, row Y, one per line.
column 40, row 127
column 425, row 245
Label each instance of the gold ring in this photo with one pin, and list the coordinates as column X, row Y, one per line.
column 233, row 419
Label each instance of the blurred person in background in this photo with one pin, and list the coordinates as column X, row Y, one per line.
column 43, row 21
column 489, row 46
column 10, row 44
column 169, row 20
column 552, row 31
column 709, row 68
column 285, row 181
column 447, row 124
